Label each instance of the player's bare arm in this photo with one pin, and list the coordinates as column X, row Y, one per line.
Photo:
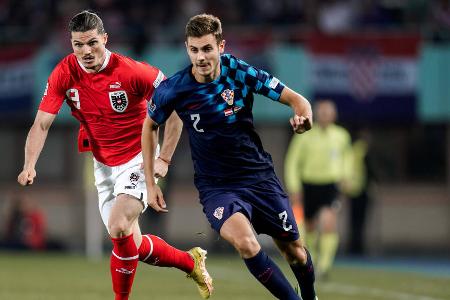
column 172, row 132
column 149, row 142
column 302, row 119
column 33, row 146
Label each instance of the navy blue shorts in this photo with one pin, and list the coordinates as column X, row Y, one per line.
column 265, row 204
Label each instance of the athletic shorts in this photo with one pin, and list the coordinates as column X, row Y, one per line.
column 127, row 178
column 265, row 204
column 317, row 196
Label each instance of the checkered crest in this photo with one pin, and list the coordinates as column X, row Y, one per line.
column 228, row 96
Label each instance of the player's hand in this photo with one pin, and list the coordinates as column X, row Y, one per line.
column 161, row 168
column 300, row 124
column 26, row 177
column 155, row 199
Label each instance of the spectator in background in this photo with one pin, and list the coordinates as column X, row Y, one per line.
column 336, row 16
column 25, row 225
column 440, row 20
column 361, row 177
column 314, row 171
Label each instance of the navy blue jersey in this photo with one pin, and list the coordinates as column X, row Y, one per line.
column 226, row 150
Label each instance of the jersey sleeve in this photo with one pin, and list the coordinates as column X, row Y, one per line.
column 162, row 104
column 148, row 78
column 55, row 91
column 259, row 81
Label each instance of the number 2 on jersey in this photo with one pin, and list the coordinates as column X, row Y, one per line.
column 196, row 119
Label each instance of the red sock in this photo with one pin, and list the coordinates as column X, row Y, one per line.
column 155, row 251
column 123, row 264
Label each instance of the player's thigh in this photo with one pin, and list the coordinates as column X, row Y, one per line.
column 124, row 218
column 126, row 207
column 126, row 179
column 238, row 231
column 220, row 205
column 130, row 180
column 272, row 212
column 104, row 182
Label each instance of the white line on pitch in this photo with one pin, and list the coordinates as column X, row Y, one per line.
column 352, row 290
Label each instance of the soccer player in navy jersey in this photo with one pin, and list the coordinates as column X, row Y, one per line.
column 235, row 177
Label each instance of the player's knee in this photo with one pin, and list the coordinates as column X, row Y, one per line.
column 247, row 246
column 295, row 253
column 119, row 228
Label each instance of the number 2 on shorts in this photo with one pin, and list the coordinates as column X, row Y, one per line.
column 283, row 217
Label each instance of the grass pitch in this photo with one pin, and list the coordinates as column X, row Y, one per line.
column 63, row 277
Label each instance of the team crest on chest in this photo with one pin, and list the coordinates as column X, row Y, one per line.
column 228, row 96
column 119, row 100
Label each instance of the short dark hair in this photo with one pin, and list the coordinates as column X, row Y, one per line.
column 85, row 21
column 204, row 24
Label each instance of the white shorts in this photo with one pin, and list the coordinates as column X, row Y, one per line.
column 127, row 178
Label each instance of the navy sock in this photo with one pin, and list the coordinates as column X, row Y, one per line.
column 305, row 277
column 268, row 273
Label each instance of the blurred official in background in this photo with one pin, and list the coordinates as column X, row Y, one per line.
column 314, row 170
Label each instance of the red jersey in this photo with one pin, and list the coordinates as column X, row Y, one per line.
column 110, row 104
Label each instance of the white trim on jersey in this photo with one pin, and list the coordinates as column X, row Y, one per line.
column 158, row 79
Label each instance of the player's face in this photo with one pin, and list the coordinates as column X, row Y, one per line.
column 325, row 113
column 204, row 53
column 89, row 48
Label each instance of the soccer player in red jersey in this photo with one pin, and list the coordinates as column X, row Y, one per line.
column 108, row 94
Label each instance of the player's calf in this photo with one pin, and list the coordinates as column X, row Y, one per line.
column 123, row 264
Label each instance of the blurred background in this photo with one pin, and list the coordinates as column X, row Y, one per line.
column 386, row 64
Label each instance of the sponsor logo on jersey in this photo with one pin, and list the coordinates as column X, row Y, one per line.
column 119, row 100
column 228, row 96
column 228, row 112
column 158, row 79
column 274, row 82
column 115, row 85
column 218, row 213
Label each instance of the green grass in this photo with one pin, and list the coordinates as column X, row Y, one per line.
column 61, row 277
